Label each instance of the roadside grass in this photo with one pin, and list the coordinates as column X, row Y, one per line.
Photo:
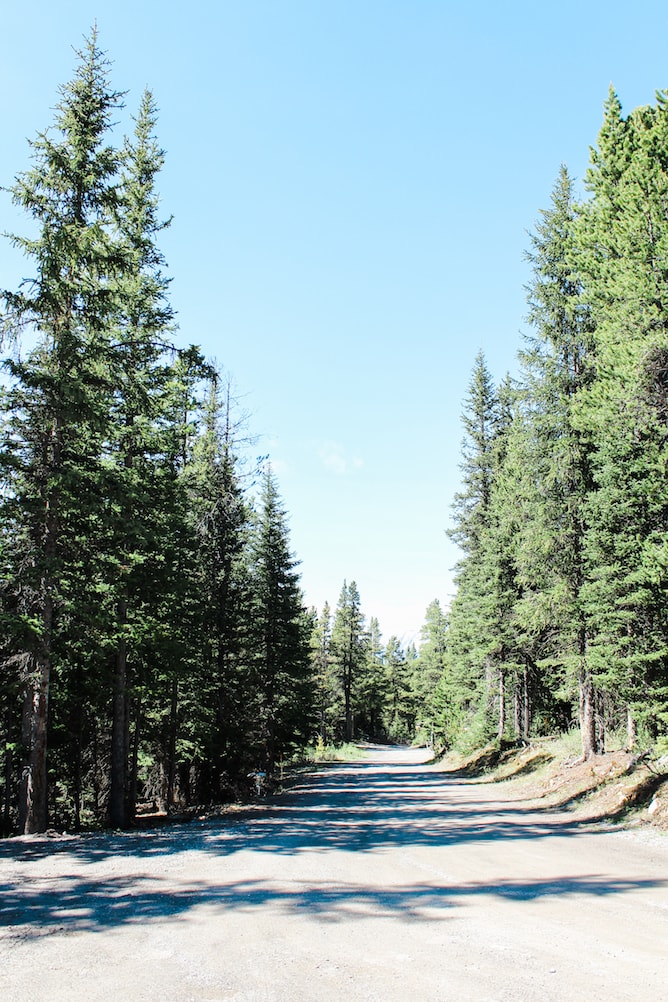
column 320, row 752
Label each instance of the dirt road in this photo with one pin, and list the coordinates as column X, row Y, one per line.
column 383, row 880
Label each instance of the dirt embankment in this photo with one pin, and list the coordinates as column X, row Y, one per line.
column 619, row 786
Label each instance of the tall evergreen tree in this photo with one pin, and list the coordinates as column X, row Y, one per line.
column 625, row 240
column 372, row 686
column 401, row 702
column 349, row 650
column 430, row 665
column 144, row 321
column 221, row 525
column 479, row 420
column 325, row 683
column 60, row 396
column 558, row 364
column 278, row 635
column 467, row 684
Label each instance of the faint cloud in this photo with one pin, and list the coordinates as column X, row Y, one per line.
column 279, row 467
column 272, row 447
column 334, row 458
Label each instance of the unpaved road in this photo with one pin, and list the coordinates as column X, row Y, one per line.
column 382, row 880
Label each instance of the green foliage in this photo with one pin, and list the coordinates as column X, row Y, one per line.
column 349, row 652
column 321, row 752
column 154, row 642
column 324, row 675
column 278, row 636
column 370, row 690
column 560, row 608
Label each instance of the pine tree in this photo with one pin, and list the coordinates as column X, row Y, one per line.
column 558, row 365
column 430, row 665
column 519, row 624
column 59, row 401
column 479, row 420
column 220, row 525
column 467, row 684
column 401, row 703
column 144, row 322
column 325, row 685
column 372, row 688
column 278, row 636
column 625, row 240
column 173, row 651
column 349, row 651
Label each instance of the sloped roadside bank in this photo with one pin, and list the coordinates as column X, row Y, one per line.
column 622, row 787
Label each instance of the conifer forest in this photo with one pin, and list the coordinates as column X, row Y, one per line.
column 155, row 645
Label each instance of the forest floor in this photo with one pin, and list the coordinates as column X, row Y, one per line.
column 375, row 881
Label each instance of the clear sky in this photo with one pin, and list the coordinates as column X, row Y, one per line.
column 352, row 182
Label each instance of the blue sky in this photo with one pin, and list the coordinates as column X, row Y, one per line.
column 352, row 182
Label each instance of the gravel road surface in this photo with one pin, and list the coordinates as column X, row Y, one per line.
column 382, row 880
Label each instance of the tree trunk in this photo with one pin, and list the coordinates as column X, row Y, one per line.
column 77, row 773
column 502, row 703
column 33, row 807
column 9, row 767
column 526, row 704
column 132, row 785
column 119, row 730
column 33, row 792
column 33, row 803
column 489, row 691
column 587, row 714
column 171, row 769
column 600, row 722
column 522, row 706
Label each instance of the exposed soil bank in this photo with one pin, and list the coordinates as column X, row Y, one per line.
column 619, row 786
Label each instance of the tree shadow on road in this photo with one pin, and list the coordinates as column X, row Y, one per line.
column 96, row 905
column 351, row 809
